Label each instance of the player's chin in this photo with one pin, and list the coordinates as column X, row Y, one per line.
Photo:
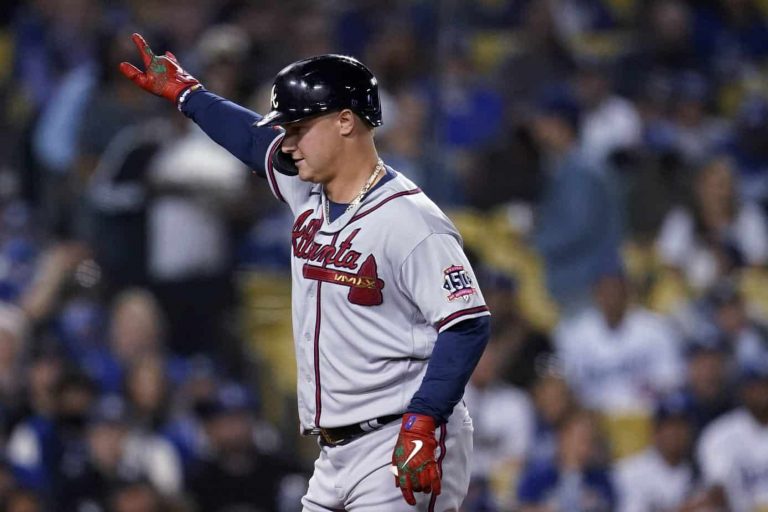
column 305, row 172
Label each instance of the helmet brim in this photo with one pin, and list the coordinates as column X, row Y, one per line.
column 274, row 118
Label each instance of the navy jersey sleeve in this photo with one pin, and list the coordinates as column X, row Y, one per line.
column 456, row 353
column 231, row 126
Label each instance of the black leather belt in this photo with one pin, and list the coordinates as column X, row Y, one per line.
column 342, row 435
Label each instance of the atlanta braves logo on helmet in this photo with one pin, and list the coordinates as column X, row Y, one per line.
column 273, row 96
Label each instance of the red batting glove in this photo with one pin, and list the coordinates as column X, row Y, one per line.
column 413, row 461
column 163, row 75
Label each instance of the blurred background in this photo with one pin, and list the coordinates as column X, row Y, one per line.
column 605, row 160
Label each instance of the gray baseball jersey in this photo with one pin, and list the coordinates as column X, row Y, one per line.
column 371, row 291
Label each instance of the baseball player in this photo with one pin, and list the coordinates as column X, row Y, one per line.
column 388, row 320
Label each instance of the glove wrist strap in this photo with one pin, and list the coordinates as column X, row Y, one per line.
column 185, row 94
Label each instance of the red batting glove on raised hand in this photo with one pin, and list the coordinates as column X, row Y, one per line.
column 413, row 461
column 163, row 75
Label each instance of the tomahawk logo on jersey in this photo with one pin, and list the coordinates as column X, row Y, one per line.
column 333, row 263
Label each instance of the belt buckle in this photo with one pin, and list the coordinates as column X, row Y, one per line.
column 327, row 437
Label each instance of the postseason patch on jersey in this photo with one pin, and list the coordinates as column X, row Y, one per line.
column 457, row 283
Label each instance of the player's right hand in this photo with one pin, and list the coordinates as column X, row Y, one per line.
column 162, row 76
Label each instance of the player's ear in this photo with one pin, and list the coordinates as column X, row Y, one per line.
column 347, row 121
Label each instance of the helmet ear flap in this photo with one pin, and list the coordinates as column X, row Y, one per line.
column 283, row 163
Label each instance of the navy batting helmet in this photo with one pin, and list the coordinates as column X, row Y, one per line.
column 323, row 84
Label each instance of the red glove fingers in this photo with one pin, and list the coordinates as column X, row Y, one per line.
column 162, row 76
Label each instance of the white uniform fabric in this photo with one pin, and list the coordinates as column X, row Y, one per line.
column 622, row 370
column 371, row 291
column 733, row 453
column 356, row 477
column 646, row 482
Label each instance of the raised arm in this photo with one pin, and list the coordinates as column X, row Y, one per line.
column 228, row 124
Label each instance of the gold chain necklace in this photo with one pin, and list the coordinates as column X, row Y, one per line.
column 366, row 187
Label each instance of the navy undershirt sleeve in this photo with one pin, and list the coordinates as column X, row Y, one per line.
column 231, row 126
column 456, row 353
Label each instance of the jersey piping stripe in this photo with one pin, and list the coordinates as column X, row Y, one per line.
column 318, row 402
column 443, row 435
column 270, row 170
column 318, row 316
column 383, row 202
column 459, row 314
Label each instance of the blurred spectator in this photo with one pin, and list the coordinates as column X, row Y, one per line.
column 236, row 474
column 576, row 480
column 147, row 392
column 577, row 227
column 672, row 47
column 42, row 446
column 619, row 359
column 748, row 150
column 524, row 349
column 80, row 327
column 610, row 124
column 115, row 452
column 55, row 270
column 662, row 476
column 717, row 234
column 708, row 387
column 184, row 428
column 43, row 374
column 553, row 403
column 137, row 326
column 733, row 450
column 520, row 345
column 136, row 330
column 503, row 420
column 725, row 313
column 199, row 190
column 518, row 181
column 690, row 131
column 87, row 484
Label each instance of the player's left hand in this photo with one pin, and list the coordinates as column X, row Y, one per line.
column 413, row 461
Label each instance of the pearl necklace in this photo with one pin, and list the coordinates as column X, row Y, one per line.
column 366, row 187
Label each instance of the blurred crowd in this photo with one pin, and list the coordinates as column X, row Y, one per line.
column 605, row 160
